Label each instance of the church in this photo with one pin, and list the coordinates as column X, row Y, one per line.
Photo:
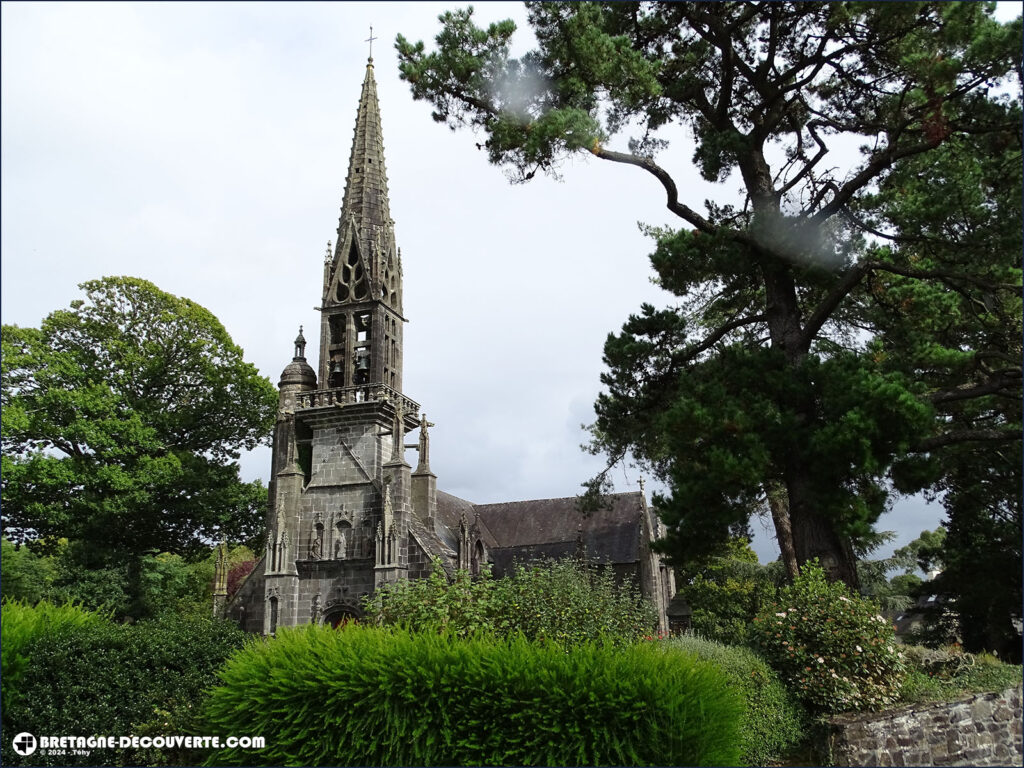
column 347, row 514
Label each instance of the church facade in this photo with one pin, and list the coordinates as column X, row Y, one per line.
column 347, row 514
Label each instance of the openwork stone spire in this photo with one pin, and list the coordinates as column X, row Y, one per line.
column 361, row 333
column 366, row 188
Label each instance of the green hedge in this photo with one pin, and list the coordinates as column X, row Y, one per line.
column 368, row 696
column 21, row 627
column 774, row 723
column 99, row 678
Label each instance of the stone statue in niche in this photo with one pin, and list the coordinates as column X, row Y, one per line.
column 339, row 545
column 316, row 546
column 315, row 610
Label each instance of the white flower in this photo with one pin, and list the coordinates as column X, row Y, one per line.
column 844, row 599
column 859, row 649
column 781, row 615
column 821, row 660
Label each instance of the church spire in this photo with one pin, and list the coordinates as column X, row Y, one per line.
column 366, row 188
column 361, row 326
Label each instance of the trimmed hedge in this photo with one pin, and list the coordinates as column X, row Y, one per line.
column 774, row 723
column 370, row 696
column 99, row 678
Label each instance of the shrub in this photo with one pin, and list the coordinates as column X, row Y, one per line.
column 562, row 601
column 23, row 574
column 774, row 722
column 831, row 647
column 98, row 678
column 726, row 591
column 463, row 607
column 371, row 696
column 569, row 602
column 22, row 626
column 947, row 673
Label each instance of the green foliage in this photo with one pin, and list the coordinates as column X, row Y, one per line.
column 568, row 602
column 462, row 607
column 946, row 674
column 727, row 591
column 774, row 722
column 170, row 585
column 965, row 199
column 982, row 551
column 366, row 696
column 560, row 601
column 829, row 329
column 23, row 574
column 831, row 647
column 92, row 677
column 123, row 421
column 22, row 626
column 897, row 594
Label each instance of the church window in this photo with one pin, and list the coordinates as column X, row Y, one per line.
column 304, row 450
column 273, row 615
column 352, row 280
column 476, row 559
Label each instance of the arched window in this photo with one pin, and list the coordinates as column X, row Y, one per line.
column 273, row 615
column 477, row 558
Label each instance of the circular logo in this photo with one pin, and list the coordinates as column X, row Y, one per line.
column 24, row 744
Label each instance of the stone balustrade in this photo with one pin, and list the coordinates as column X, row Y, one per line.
column 366, row 393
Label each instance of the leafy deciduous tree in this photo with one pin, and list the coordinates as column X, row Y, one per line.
column 124, row 417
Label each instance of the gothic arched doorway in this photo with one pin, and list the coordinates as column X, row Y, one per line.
column 339, row 616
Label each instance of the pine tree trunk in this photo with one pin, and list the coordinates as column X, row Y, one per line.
column 778, row 502
column 815, row 537
column 812, row 533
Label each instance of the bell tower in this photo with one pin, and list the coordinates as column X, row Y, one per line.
column 341, row 519
column 361, row 321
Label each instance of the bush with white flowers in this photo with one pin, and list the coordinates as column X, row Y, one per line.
column 833, row 648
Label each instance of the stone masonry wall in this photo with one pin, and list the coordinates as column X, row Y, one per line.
column 980, row 729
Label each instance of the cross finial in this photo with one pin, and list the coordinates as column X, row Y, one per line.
column 643, row 487
column 370, row 40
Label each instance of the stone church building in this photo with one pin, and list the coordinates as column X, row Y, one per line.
column 347, row 514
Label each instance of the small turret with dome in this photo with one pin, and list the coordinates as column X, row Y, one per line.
column 298, row 373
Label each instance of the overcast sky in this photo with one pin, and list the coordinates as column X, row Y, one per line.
column 203, row 147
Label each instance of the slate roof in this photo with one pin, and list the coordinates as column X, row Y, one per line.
column 608, row 534
column 546, row 528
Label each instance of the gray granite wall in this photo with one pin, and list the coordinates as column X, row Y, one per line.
column 980, row 729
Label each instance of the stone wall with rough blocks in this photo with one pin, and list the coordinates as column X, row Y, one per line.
column 979, row 729
column 419, row 563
